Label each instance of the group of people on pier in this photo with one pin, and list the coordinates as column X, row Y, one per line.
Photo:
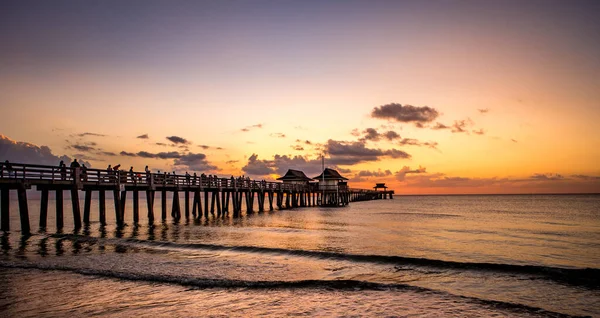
column 114, row 174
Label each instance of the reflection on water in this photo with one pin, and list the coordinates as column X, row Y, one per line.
column 438, row 243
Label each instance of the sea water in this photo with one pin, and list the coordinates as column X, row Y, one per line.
column 463, row 256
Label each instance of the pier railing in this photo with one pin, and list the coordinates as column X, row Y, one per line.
column 41, row 174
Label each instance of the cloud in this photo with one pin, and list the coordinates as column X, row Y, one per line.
column 297, row 148
column 483, row 110
column 349, row 153
column 258, row 167
column 24, row 152
column 90, row 134
column 479, row 132
column 439, row 126
column 391, row 135
column 371, row 134
column 379, row 173
column 232, row 162
column 178, row 140
column 161, row 144
column 281, row 163
column 277, row 135
column 127, row 154
column 84, row 148
column 406, row 113
column 194, row 162
column 514, row 140
column 160, row 155
column 460, row 126
column 415, row 142
column 144, row 136
column 401, row 174
column 248, row 128
column 307, row 142
column 547, row 176
column 107, row 153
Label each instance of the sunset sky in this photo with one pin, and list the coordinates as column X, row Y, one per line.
column 427, row 96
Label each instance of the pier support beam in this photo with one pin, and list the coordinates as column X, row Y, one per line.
column 163, row 204
column 102, row 206
column 44, row 209
column 136, row 206
column 76, row 209
column 117, row 201
column 23, row 210
column 59, row 210
column 150, row 204
column 87, row 206
column 4, row 211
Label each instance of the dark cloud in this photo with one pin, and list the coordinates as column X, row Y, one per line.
column 483, row 110
column 349, row 153
column 371, row 134
column 90, row 134
column 297, row 148
column 204, row 147
column 246, row 129
column 84, row 148
column 194, row 162
column 178, row 140
column 379, row 173
column 144, row 136
column 479, row 132
column 401, row 174
column 277, row 135
column 547, row 176
column 161, row 144
column 391, row 135
column 24, row 152
column 127, row 154
column 439, row 126
column 406, row 113
column 514, row 140
column 355, row 132
column 219, row 148
column 461, row 126
column 306, row 142
column 258, row 167
column 415, row 142
column 107, row 153
column 232, row 162
column 280, row 164
column 160, row 155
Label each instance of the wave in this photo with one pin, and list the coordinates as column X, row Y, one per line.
column 343, row 285
column 585, row 277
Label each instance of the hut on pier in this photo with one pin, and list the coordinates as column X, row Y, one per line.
column 295, row 177
column 331, row 180
column 380, row 186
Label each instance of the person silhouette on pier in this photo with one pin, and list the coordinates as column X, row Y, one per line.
column 74, row 165
column 63, row 170
column 131, row 175
column 84, row 176
column 8, row 167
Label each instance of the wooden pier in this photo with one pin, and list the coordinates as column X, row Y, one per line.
column 225, row 194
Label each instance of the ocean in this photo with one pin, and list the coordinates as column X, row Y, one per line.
column 413, row 256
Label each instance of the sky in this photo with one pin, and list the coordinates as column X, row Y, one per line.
column 430, row 97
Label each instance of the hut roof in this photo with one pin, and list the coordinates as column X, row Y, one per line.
column 330, row 174
column 294, row 175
